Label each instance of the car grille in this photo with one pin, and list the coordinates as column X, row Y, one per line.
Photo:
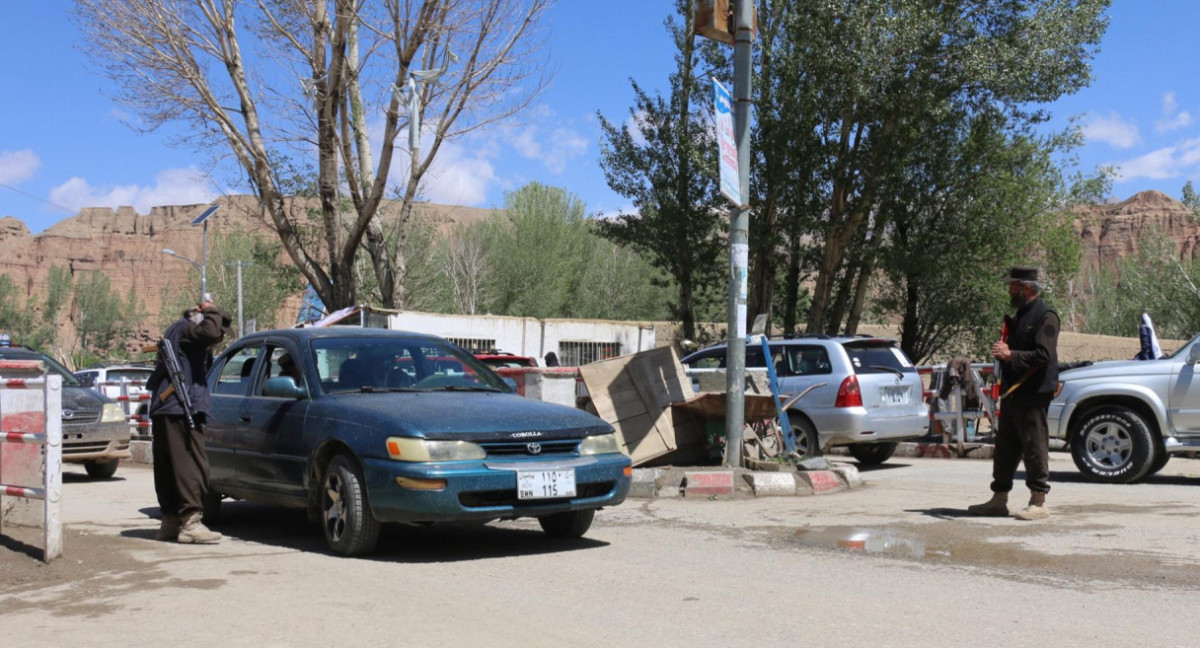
column 80, row 417
column 91, row 446
column 521, row 448
column 509, row 497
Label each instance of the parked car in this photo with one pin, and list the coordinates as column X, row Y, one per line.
column 94, row 429
column 500, row 359
column 1123, row 420
column 116, row 381
column 865, row 393
column 391, row 427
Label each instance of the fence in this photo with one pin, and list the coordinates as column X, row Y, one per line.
column 955, row 411
column 129, row 393
column 23, row 425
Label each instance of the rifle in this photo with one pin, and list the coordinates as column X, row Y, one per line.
column 179, row 382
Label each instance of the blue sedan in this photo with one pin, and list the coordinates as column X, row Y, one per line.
column 365, row 427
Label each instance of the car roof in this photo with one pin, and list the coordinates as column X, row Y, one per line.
column 14, row 353
column 325, row 332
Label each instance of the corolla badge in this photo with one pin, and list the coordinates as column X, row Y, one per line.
column 525, row 435
column 534, row 448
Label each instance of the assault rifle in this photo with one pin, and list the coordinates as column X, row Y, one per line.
column 179, row 382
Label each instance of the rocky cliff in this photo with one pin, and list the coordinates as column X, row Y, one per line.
column 1112, row 231
column 128, row 247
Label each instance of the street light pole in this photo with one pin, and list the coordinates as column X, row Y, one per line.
column 239, row 264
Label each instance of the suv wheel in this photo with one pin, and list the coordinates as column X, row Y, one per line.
column 1113, row 445
column 872, row 454
column 97, row 470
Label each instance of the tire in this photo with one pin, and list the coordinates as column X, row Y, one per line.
column 569, row 525
column 350, row 528
column 808, row 444
column 1161, row 457
column 872, row 454
column 1113, row 445
column 212, row 507
column 97, row 470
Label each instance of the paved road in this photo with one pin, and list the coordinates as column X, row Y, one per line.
column 894, row 563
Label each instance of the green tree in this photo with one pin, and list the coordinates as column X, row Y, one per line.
column 1190, row 199
column 103, row 320
column 664, row 162
column 1152, row 280
column 15, row 318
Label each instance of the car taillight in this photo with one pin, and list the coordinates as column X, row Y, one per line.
column 849, row 395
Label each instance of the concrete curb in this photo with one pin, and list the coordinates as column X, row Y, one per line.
column 716, row 483
column 932, row 450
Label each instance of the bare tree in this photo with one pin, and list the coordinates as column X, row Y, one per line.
column 465, row 263
column 310, row 79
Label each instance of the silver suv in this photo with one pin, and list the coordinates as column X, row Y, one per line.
column 865, row 392
column 1123, row 420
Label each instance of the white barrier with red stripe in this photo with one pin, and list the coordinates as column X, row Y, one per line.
column 139, row 423
column 30, row 416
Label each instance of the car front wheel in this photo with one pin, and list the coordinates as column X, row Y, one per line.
column 1113, row 445
column 572, row 524
column 350, row 528
column 807, row 442
column 872, row 454
column 97, row 470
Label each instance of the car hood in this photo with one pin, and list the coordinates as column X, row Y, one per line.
column 82, row 398
column 478, row 415
column 1121, row 369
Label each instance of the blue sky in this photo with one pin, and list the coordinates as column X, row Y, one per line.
column 64, row 147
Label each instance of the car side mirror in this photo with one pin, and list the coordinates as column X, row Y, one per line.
column 1193, row 354
column 284, row 387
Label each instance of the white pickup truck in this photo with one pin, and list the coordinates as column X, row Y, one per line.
column 1123, row 420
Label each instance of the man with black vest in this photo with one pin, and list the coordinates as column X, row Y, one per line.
column 1028, row 377
column 180, row 461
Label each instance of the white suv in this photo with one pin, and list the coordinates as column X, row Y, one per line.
column 865, row 392
column 125, row 384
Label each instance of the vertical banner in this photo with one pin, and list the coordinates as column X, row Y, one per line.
column 723, row 110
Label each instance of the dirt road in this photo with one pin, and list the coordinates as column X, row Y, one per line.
column 894, row 563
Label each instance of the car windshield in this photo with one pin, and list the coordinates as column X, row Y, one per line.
column 356, row 364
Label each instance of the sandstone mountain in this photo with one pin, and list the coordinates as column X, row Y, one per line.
column 127, row 246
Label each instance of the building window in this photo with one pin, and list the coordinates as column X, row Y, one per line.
column 474, row 345
column 574, row 354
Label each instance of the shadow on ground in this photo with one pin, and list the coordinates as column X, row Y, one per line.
column 447, row 542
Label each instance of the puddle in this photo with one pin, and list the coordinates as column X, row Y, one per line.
column 877, row 541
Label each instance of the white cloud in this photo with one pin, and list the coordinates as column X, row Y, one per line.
column 636, row 125
column 1111, row 129
column 172, row 187
column 18, row 166
column 1161, row 164
column 1172, row 119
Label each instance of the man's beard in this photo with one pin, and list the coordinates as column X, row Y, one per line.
column 1017, row 301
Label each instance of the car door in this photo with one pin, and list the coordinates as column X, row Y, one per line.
column 270, row 434
column 228, row 386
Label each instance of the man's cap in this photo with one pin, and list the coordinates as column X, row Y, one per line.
column 1022, row 273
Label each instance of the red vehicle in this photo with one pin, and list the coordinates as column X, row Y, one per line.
column 499, row 360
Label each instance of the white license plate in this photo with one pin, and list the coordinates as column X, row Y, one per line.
column 894, row 395
column 545, row 484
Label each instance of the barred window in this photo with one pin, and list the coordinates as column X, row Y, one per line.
column 575, row 354
column 474, row 344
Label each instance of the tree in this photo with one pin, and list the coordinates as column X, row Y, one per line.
column 266, row 282
column 305, row 76
column 1191, row 199
column 878, row 73
column 665, row 164
column 103, row 320
column 1152, row 280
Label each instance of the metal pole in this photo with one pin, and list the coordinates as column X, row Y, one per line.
column 241, row 325
column 739, row 249
column 204, row 265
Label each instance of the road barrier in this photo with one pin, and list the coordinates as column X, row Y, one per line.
column 986, row 394
column 31, row 415
column 130, row 392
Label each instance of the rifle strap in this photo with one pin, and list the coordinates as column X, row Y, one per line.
column 1018, row 383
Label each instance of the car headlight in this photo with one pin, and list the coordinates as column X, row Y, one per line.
column 599, row 444
column 112, row 413
column 410, row 449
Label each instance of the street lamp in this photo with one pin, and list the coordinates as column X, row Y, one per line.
column 199, row 268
